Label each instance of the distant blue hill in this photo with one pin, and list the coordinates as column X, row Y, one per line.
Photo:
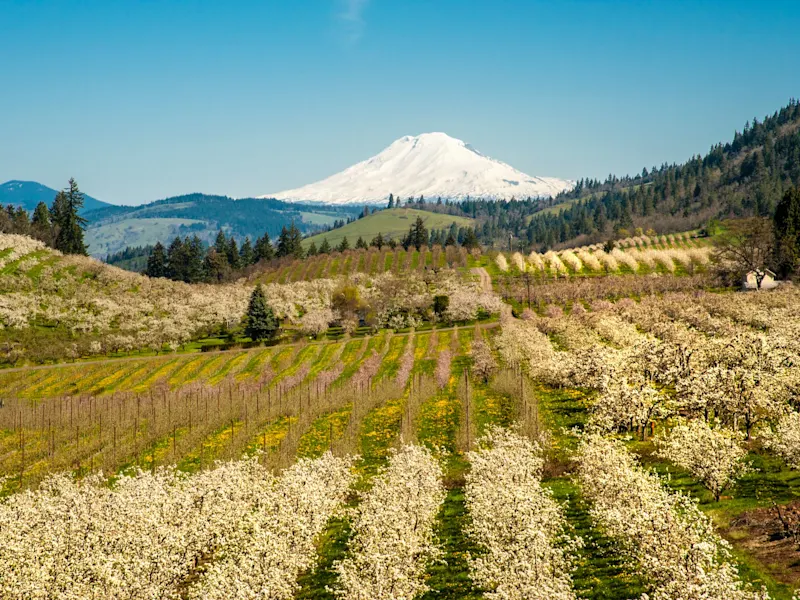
column 28, row 194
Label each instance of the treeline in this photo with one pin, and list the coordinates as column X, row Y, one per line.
column 745, row 177
column 188, row 259
column 132, row 258
column 742, row 178
column 242, row 217
column 59, row 225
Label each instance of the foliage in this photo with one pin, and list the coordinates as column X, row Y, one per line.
column 746, row 246
column 261, row 321
column 672, row 542
column 714, row 456
column 517, row 522
column 68, row 225
column 786, row 223
column 393, row 530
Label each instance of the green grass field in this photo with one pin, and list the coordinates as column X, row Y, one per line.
column 392, row 223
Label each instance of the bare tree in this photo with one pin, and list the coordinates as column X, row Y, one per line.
column 745, row 246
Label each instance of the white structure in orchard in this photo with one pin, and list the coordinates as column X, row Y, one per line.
column 750, row 280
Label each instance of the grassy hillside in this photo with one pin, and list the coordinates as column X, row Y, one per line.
column 393, row 223
column 107, row 237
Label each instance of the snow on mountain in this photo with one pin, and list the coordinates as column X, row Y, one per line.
column 431, row 164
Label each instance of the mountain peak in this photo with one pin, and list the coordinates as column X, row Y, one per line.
column 430, row 164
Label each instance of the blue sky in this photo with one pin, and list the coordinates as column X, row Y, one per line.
column 144, row 100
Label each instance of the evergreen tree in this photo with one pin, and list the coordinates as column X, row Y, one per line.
column 378, row 241
column 470, row 239
column 391, row 200
column 344, row 245
column 361, row 244
column 290, row 242
column 175, row 260
column 157, row 262
column 786, row 224
column 261, row 321
column 193, row 256
column 451, row 240
column 18, row 218
column 418, row 234
column 68, row 223
column 264, row 249
column 41, row 228
column 221, row 244
column 325, row 246
column 283, row 243
column 232, row 254
column 312, row 249
column 216, row 266
column 247, row 255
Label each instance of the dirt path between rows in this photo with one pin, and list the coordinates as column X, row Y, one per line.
column 485, row 278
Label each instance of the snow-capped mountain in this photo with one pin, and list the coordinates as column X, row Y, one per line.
column 431, row 164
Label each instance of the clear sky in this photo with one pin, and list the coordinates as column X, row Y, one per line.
column 149, row 99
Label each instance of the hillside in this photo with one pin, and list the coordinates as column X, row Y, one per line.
column 452, row 415
column 433, row 165
column 114, row 228
column 744, row 177
column 55, row 306
column 392, row 223
column 27, row 194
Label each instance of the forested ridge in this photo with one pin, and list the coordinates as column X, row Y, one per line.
column 744, row 177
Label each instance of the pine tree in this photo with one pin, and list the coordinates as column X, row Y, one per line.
column 232, row 254
column 68, row 223
column 290, row 242
column 215, row 266
column 157, row 262
column 283, row 243
column 470, row 239
column 343, row 245
column 193, row 255
column 296, row 241
column 247, row 255
column 787, row 233
column 391, row 200
column 378, row 241
column 41, row 228
column 361, row 244
column 175, row 268
column 311, row 250
column 221, row 243
column 19, row 221
column 325, row 246
column 264, row 250
column 418, row 234
column 261, row 321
